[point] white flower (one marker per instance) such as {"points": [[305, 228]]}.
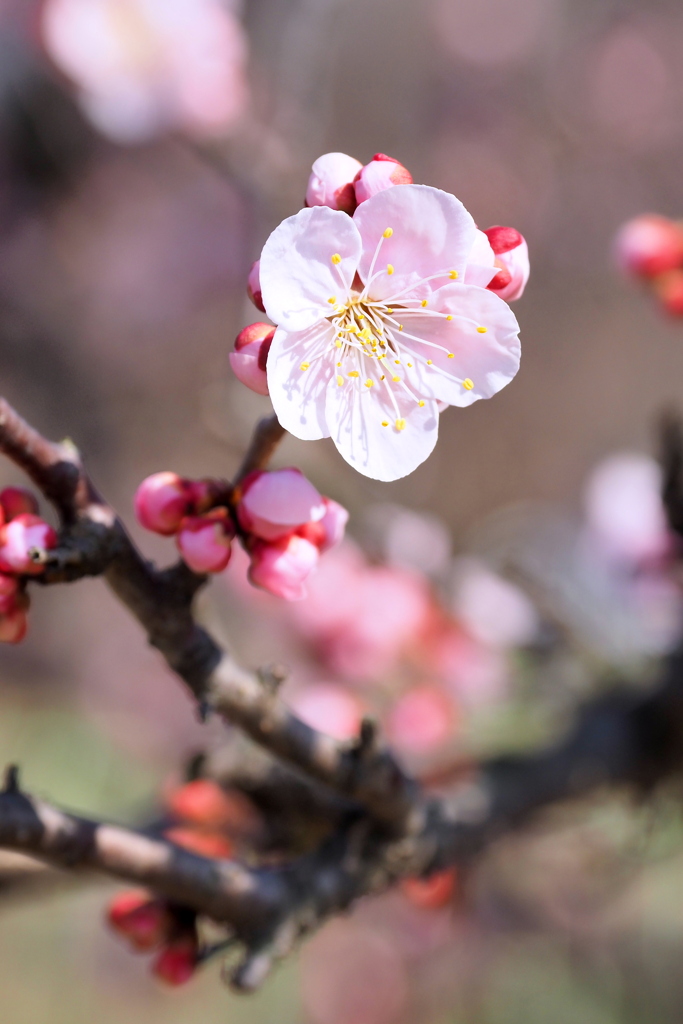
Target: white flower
{"points": [[376, 326]]}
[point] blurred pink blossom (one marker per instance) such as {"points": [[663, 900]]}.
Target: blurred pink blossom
{"points": [[330, 708], [142, 67], [421, 720], [495, 611]]}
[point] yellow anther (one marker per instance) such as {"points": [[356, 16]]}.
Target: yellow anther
{"points": [[304, 366], [332, 300], [453, 274], [354, 373], [382, 355], [338, 364], [385, 423], [340, 380], [395, 379], [390, 268], [421, 404], [400, 424], [482, 330], [423, 303], [468, 384], [382, 377], [336, 258], [410, 365], [389, 310], [449, 317], [397, 361], [388, 233], [400, 327], [451, 356], [352, 329], [429, 362], [369, 383]]}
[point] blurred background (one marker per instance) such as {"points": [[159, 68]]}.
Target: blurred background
{"points": [[147, 148]]}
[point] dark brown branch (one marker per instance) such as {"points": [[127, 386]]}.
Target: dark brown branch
{"points": [[266, 438]]}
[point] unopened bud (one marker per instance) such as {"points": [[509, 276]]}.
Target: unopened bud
{"points": [[206, 844], [162, 501], [512, 259], [204, 541], [145, 922], [19, 537], [381, 173], [438, 890], [9, 591], [649, 245], [275, 503], [669, 290], [331, 182], [254, 286], [177, 963], [17, 500], [283, 567], [248, 361]]}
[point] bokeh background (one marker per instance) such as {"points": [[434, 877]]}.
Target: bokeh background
{"points": [[126, 234]]}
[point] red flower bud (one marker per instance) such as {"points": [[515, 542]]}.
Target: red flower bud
{"points": [[17, 500], [207, 844], [162, 501], [433, 892], [381, 173], [649, 245], [204, 541], [19, 537], [9, 589], [145, 922], [248, 361], [669, 290], [283, 567], [176, 964]]}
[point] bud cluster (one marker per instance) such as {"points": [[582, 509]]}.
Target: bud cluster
{"points": [[151, 924], [650, 249], [284, 524], [22, 532], [343, 183]]}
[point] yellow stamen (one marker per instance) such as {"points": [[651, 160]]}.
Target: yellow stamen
{"points": [[369, 383], [390, 269], [400, 424], [354, 373], [382, 377], [453, 275], [449, 317], [304, 366], [468, 384], [340, 380], [388, 233], [395, 379], [482, 330], [451, 356], [397, 361], [423, 303], [385, 423], [389, 310], [338, 343], [410, 365], [338, 364], [332, 300], [421, 404], [400, 327], [429, 362], [336, 258]]}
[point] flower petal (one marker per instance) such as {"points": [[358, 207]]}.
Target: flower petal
{"points": [[481, 262], [355, 418], [298, 396], [432, 233], [298, 277], [487, 359]]}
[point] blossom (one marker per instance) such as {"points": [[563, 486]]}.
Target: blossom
{"points": [[19, 538], [649, 245], [376, 326], [145, 66]]}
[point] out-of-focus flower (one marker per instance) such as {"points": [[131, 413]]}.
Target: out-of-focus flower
{"points": [[649, 245], [495, 611], [203, 802], [438, 890], [15, 501], [18, 538], [205, 541], [254, 286], [142, 67], [330, 708], [381, 173], [13, 626], [248, 361], [142, 920], [409, 540], [282, 567], [205, 843], [421, 720], [375, 326], [9, 590], [274, 503], [668, 288], [331, 182]]}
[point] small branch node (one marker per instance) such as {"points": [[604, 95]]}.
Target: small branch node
{"points": [[273, 676], [11, 780]]}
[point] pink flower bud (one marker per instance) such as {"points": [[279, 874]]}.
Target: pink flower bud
{"points": [[331, 182], [176, 964], [17, 500], [512, 259], [275, 503], [333, 523], [382, 172], [9, 591], [649, 245], [145, 922], [254, 286], [19, 537], [248, 361], [204, 541], [283, 567], [13, 626], [161, 502], [669, 291]]}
